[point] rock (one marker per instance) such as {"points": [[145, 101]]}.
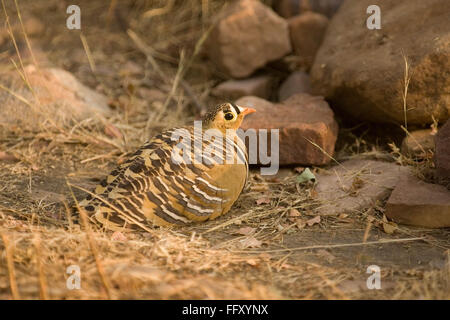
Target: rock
{"points": [[247, 36], [442, 155], [361, 71], [355, 185], [300, 118], [234, 89], [61, 98], [297, 82], [415, 202], [418, 144], [307, 31], [289, 8]]}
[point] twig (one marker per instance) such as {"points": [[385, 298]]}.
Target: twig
{"points": [[329, 246]]}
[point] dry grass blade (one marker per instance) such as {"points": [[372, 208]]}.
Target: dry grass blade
{"points": [[42, 281], [159, 11], [406, 80], [94, 249], [25, 35], [11, 270]]}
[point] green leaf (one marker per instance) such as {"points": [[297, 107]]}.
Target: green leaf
{"points": [[306, 176]]}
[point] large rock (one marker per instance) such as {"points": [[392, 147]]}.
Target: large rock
{"points": [[303, 120], [415, 202], [361, 71], [307, 31], [246, 37], [297, 82], [442, 155], [289, 8], [356, 185], [260, 86], [57, 95]]}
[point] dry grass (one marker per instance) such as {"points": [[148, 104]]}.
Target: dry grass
{"points": [[255, 252]]}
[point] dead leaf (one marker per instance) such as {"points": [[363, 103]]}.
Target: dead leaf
{"points": [[252, 262], [294, 213], [7, 157], [246, 231], [263, 200], [250, 242], [313, 221], [388, 226], [118, 236]]}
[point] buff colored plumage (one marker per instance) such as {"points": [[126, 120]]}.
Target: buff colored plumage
{"points": [[152, 188]]}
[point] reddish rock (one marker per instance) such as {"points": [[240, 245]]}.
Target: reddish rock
{"points": [[297, 82], [260, 86], [246, 37], [300, 118], [361, 71], [418, 144], [442, 155], [415, 202], [355, 185], [307, 31], [289, 8]]}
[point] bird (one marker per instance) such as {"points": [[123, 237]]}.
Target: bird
{"points": [[161, 184]]}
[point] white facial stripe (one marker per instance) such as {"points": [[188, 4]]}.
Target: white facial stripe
{"points": [[233, 110]]}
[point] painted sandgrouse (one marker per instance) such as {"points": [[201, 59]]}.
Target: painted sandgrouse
{"points": [[183, 175]]}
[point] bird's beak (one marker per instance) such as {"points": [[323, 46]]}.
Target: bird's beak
{"points": [[247, 111]]}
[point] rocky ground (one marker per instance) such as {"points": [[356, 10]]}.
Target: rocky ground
{"points": [[364, 146]]}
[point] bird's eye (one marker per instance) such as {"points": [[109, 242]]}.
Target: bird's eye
{"points": [[229, 116]]}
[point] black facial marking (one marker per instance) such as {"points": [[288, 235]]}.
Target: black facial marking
{"points": [[235, 107]]}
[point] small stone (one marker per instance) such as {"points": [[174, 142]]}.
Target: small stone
{"points": [[303, 120], [418, 144], [234, 89], [356, 185], [415, 202], [247, 36], [297, 82], [307, 31], [442, 155]]}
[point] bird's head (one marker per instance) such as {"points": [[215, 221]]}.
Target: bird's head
{"points": [[226, 116]]}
